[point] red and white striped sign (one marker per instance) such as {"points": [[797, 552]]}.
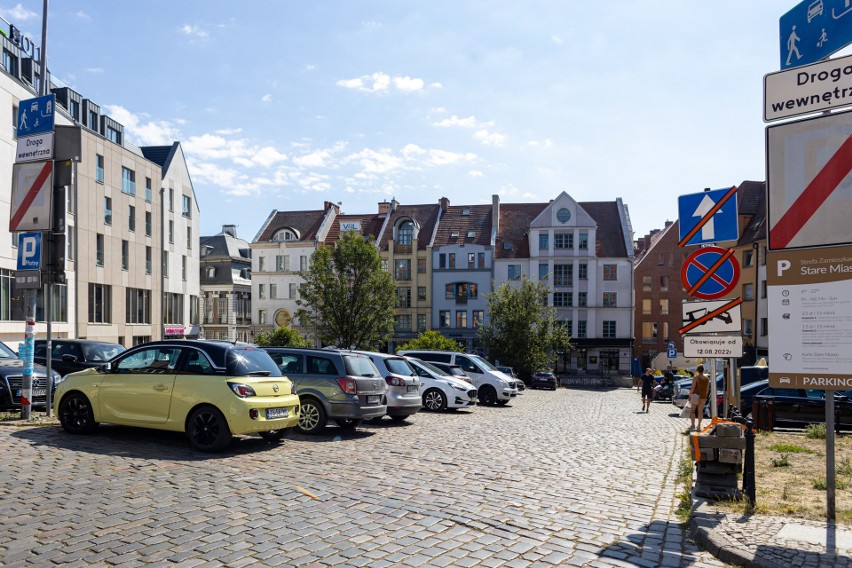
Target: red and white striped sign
{"points": [[32, 187]]}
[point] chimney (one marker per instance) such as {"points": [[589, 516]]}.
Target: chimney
{"points": [[669, 224], [394, 204], [229, 230], [384, 207], [444, 204], [495, 214]]}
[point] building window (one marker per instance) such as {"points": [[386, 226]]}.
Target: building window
{"points": [[403, 298], [583, 243], [211, 272], [747, 327], [610, 299], [131, 218], [183, 268], [748, 291], [461, 319], [69, 239], [664, 306], [171, 231], [764, 327], [581, 328], [610, 272], [138, 306], [649, 332], [480, 260], [664, 283], [405, 236], [542, 271], [294, 290], [514, 272], [444, 318], [261, 317], [646, 307], [583, 272], [609, 329], [402, 322], [186, 206], [261, 263], [148, 191], [99, 250], [100, 303], [748, 258], [273, 291], [563, 274], [222, 307], [165, 264], [282, 263], [563, 241], [661, 259], [452, 259], [421, 322], [763, 289], [543, 240], [303, 263], [128, 181], [261, 291], [147, 260], [581, 299], [171, 199], [148, 223], [646, 283], [478, 318], [421, 292], [442, 260], [125, 255], [107, 210], [189, 238], [99, 168], [402, 269], [562, 299], [471, 260], [172, 308]]}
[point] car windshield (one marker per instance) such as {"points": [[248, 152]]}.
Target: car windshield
{"points": [[249, 361], [101, 352], [6, 353], [399, 366], [483, 363], [432, 368], [360, 366]]}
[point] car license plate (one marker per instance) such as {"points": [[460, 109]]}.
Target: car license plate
{"points": [[413, 388], [277, 413], [373, 399], [36, 392]]}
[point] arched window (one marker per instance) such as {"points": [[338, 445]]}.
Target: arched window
{"points": [[405, 233], [284, 235]]}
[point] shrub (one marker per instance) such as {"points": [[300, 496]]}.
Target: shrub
{"points": [[781, 462], [815, 431]]}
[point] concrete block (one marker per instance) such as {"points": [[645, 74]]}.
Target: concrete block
{"points": [[717, 467], [717, 479], [729, 430], [718, 492], [729, 455], [706, 454], [706, 441]]}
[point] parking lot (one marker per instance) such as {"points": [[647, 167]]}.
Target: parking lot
{"points": [[571, 477]]}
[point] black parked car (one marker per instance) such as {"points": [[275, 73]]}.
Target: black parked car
{"points": [[543, 380], [11, 381], [72, 355], [800, 407]]}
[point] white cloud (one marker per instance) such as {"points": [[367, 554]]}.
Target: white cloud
{"points": [[469, 122], [408, 84], [546, 143], [475, 174], [382, 82], [490, 138], [18, 13], [81, 15], [228, 131], [94, 70], [375, 162], [557, 39], [436, 85], [194, 31], [151, 133], [266, 98]]}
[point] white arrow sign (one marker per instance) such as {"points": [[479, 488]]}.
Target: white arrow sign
{"points": [[708, 232]]}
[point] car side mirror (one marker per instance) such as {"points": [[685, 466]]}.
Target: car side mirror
{"points": [[105, 368], [69, 358]]}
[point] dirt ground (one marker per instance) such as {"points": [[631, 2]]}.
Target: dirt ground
{"points": [[790, 476]]}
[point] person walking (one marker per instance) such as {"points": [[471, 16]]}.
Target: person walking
{"points": [[700, 388], [646, 389]]}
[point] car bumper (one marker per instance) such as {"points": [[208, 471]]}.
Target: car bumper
{"points": [[405, 405], [240, 421]]}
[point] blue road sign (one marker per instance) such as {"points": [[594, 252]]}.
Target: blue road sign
{"points": [[35, 116], [717, 223], [29, 251], [813, 30], [671, 352]]}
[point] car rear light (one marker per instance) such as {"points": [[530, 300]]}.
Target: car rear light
{"points": [[395, 381], [253, 414], [348, 385], [719, 400], [241, 390]]}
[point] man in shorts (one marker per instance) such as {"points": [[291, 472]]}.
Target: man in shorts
{"points": [[700, 387], [646, 388]]}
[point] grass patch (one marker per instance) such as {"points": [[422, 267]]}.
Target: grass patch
{"points": [[815, 431], [781, 462], [684, 485], [790, 449], [820, 484]]}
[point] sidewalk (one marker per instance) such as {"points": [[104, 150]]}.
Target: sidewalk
{"points": [[769, 542]]}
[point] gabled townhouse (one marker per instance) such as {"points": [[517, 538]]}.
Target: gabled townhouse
{"points": [[584, 253], [226, 286], [280, 252], [461, 264]]}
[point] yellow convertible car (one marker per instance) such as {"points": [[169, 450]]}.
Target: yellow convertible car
{"points": [[211, 390]]}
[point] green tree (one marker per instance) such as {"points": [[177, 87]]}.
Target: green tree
{"points": [[281, 337], [432, 341], [347, 299], [522, 330]]}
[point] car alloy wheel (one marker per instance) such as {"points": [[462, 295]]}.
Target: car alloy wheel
{"points": [[311, 416], [434, 399], [75, 414], [487, 395], [208, 430]]}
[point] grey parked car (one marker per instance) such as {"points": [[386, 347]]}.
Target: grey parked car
{"points": [[332, 385], [403, 384]]}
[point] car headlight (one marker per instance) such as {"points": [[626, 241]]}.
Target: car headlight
{"points": [[459, 388], [58, 379]]}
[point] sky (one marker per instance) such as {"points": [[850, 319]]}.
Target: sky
{"points": [[286, 104]]}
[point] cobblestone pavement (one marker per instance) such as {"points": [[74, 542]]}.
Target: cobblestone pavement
{"points": [[564, 478]]}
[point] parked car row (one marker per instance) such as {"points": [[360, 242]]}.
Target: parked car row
{"points": [[213, 390]]}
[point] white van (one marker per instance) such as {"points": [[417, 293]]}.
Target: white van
{"points": [[493, 386]]}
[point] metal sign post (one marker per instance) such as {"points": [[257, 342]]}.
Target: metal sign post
{"points": [[29, 340]]}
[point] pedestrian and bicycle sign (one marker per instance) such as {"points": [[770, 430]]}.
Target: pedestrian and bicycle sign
{"points": [[810, 189], [708, 217], [710, 273], [813, 30], [35, 116]]}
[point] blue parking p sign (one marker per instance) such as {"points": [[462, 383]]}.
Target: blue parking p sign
{"points": [[29, 251]]}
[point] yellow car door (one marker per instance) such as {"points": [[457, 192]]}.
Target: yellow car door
{"points": [[138, 388]]}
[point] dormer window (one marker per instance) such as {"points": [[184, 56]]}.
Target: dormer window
{"points": [[471, 234], [284, 235], [465, 212], [405, 233], [454, 234], [211, 271]]}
